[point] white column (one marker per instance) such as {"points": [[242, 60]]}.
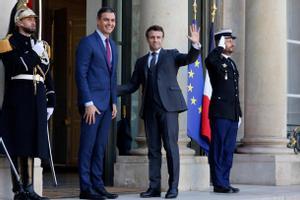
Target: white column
{"points": [[4, 16], [263, 151], [265, 77], [92, 7]]}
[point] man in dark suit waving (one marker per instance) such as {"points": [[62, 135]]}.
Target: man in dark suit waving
{"points": [[96, 62], [162, 100]]}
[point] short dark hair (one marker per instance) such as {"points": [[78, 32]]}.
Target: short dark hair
{"points": [[154, 28], [104, 10]]}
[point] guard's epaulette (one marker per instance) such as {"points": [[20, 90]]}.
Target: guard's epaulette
{"points": [[5, 45]]}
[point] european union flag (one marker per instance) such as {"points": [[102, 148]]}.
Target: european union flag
{"points": [[194, 101]]}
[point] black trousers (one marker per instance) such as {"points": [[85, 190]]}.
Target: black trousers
{"points": [[162, 127], [221, 150]]}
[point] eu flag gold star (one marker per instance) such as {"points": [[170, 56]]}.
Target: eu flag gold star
{"points": [[191, 74], [190, 88], [197, 63], [193, 101], [200, 109]]}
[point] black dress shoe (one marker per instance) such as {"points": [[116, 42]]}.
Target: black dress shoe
{"points": [[234, 190], [104, 193], [32, 195], [150, 193], [219, 189], [21, 196], [171, 193], [90, 194]]}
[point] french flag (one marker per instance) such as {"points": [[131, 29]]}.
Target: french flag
{"points": [[205, 124]]}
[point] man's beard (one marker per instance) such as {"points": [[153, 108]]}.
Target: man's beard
{"points": [[29, 30], [228, 51]]}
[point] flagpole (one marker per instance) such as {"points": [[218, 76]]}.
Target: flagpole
{"points": [[213, 12], [40, 20], [195, 10], [48, 135]]}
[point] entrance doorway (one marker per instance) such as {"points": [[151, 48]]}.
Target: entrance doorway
{"points": [[64, 25]]}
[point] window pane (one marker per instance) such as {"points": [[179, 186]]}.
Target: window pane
{"points": [[293, 111], [293, 15], [294, 68]]}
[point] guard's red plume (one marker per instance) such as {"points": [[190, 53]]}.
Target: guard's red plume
{"points": [[29, 4]]}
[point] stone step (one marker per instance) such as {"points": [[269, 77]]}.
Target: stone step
{"points": [[248, 192]]}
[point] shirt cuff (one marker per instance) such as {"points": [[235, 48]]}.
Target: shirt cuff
{"points": [[196, 45], [90, 103]]}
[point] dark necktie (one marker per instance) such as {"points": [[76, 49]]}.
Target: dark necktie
{"points": [[108, 52], [153, 59]]}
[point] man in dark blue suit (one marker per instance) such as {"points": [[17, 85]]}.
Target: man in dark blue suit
{"points": [[224, 110], [162, 100], [96, 63]]}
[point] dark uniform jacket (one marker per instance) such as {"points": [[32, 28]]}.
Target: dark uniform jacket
{"points": [[24, 110], [224, 78], [169, 91]]}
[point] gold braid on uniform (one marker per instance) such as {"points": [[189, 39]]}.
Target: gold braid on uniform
{"points": [[48, 50], [41, 71]]}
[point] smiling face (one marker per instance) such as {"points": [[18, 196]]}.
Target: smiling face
{"points": [[155, 39], [106, 23]]}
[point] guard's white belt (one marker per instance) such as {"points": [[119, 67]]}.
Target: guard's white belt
{"points": [[28, 77]]}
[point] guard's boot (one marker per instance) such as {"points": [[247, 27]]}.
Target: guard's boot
{"points": [[29, 181], [19, 193], [33, 195]]}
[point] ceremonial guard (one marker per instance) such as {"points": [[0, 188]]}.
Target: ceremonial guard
{"points": [[29, 98], [224, 110]]}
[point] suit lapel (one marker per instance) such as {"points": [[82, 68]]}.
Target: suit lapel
{"points": [[160, 57], [114, 54], [145, 61]]}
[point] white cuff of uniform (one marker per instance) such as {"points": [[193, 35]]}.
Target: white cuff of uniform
{"points": [[196, 45], [49, 112], [90, 103]]}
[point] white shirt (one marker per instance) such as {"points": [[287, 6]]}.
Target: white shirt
{"points": [[150, 56], [103, 38]]}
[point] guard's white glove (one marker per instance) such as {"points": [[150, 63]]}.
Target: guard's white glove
{"points": [[222, 42], [240, 121], [49, 112], [39, 48]]}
